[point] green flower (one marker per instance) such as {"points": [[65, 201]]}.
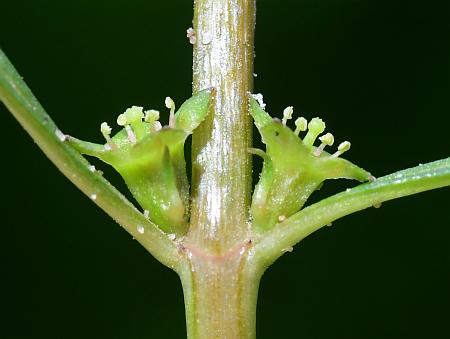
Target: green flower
{"points": [[293, 168], [150, 158]]}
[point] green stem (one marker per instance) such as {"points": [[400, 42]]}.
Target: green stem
{"points": [[18, 98], [220, 288], [406, 182], [221, 181], [220, 294]]}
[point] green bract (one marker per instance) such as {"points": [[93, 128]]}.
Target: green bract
{"points": [[293, 168], [150, 158]]}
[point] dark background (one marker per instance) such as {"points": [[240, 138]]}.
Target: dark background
{"points": [[378, 72]]}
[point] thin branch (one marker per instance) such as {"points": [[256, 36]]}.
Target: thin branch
{"points": [[17, 97], [406, 182]]}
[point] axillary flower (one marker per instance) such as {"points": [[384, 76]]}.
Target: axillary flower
{"points": [[150, 158], [293, 168]]}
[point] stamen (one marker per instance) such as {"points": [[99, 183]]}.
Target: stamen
{"points": [[287, 114], [315, 127], [106, 131], [170, 104], [152, 117], [343, 147], [327, 140], [130, 134], [134, 116], [122, 120], [301, 124]]}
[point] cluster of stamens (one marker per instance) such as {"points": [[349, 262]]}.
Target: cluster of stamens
{"points": [[314, 128], [134, 119]]}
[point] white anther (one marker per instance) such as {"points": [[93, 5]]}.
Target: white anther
{"points": [[327, 140], [134, 114], [151, 115], [287, 114], [170, 104], [343, 147], [122, 120], [315, 127], [106, 131], [301, 124]]}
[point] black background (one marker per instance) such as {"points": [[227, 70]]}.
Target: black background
{"points": [[378, 72]]}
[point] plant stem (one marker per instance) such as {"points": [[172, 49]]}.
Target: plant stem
{"points": [[220, 288], [221, 294], [221, 182]]}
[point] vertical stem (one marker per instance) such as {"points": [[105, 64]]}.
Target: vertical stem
{"points": [[220, 294], [219, 285], [221, 183]]}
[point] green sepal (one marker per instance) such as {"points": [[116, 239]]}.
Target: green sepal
{"points": [[291, 171]]}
